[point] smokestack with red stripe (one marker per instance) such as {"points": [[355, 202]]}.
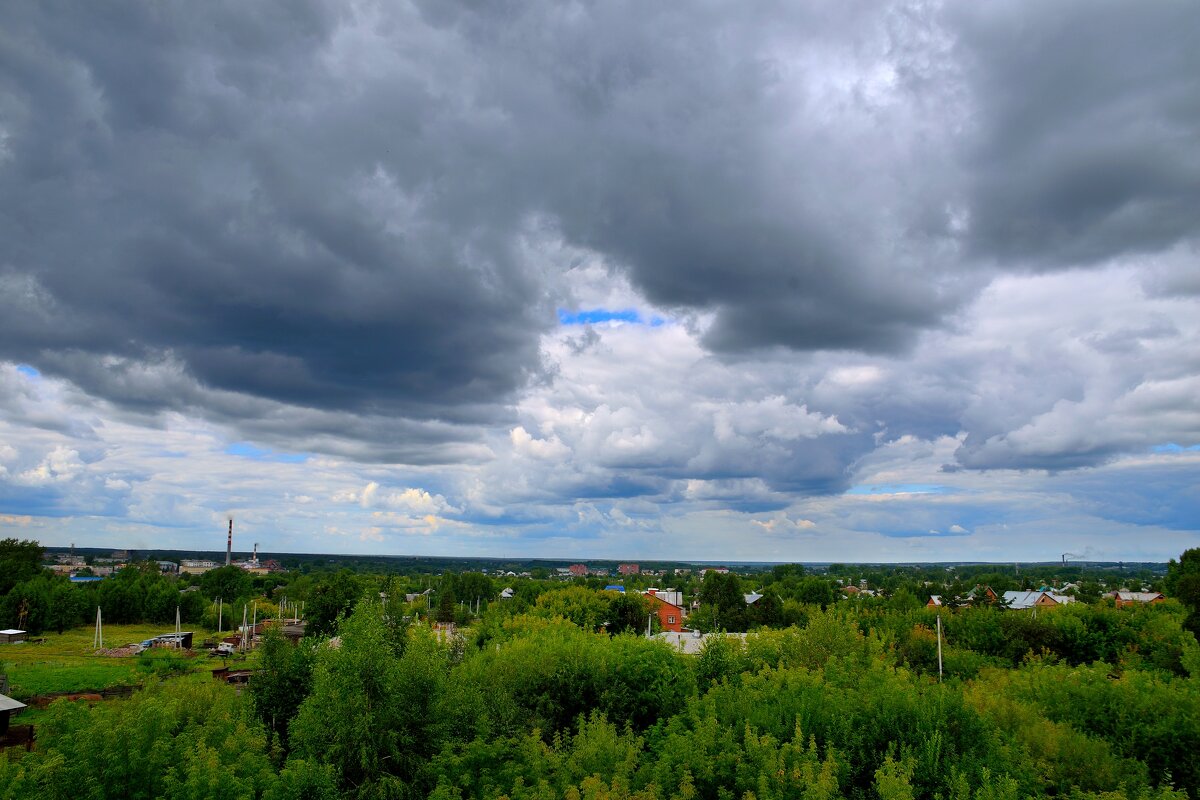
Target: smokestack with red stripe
{"points": [[229, 546]]}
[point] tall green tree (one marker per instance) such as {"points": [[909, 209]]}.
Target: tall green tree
{"points": [[370, 715], [228, 583], [20, 560], [627, 611], [282, 681], [329, 598], [1183, 583], [587, 608], [724, 606]]}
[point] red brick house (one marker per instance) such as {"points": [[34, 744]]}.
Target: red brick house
{"points": [[670, 616]]}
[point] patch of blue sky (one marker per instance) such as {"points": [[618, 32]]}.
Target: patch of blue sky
{"points": [[248, 450], [593, 316], [910, 534], [1171, 447], [897, 488], [28, 371], [33, 501]]}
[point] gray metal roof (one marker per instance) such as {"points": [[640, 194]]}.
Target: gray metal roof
{"points": [[8, 704]]}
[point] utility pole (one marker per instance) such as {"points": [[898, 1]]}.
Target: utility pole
{"points": [[98, 638], [220, 613]]}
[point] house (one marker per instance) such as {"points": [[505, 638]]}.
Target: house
{"points": [[506, 593], [1123, 598], [196, 566], [578, 570], [718, 570], [935, 601], [11, 636], [615, 587], [752, 598], [980, 594], [182, 639], [1038, 599], [294, 631], [8, 707], [670, 615], [628, 569], [670, 595]]}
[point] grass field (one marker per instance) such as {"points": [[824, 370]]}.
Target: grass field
{"points": [[67, 663]]}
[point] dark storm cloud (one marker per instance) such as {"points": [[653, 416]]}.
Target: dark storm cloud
{"points": [[331, 206], [1088, 130], [194, 184]]}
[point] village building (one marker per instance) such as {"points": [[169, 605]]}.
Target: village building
{"points": [[667, 605], [8, 707], [196, 566], [980, 594], [1038, 599], [1124, 598]]}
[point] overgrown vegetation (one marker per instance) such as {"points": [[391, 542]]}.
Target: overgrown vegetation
{"points": [[836, 708]]}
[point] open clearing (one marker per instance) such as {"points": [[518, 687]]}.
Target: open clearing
{"points": [[67, 662]]}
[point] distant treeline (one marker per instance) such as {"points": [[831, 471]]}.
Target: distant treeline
{"points": [[35, 600]]}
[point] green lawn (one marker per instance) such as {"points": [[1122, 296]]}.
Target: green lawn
{"points": [[67, 663]]}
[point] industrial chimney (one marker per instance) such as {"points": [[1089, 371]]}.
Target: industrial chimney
{"points": [[229, 546]]}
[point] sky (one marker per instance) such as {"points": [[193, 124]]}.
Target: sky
{"points": [[779, 281]]}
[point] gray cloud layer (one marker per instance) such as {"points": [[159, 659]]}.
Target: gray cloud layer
{"points": [[328, 223]]}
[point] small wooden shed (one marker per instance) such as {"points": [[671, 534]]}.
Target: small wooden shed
{"points": [[11, 636]]}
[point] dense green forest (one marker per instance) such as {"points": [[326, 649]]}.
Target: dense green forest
{"points": [[536, 699]]}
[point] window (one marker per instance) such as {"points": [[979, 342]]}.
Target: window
{"points": [[670, 620]]}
